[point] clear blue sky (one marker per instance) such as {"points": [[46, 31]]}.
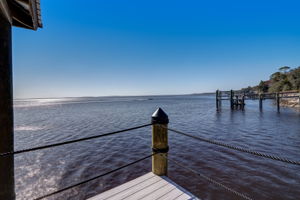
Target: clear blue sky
{"points": [[110, 47]]}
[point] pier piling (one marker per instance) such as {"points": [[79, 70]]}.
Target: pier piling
{"points": [[278, 102], [243, 102], [231, 100], [260, 101], [160, 146], [217, 100]]}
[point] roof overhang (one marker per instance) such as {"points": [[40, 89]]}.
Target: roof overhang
{"points": [[22, 13]]}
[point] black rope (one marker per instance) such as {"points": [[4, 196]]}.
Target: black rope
{"points": [[93, 178], [236, 148], [209, 179], [72, 141]]}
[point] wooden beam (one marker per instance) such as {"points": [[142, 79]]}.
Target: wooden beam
{"points": [[5, 10], [7, 190], [21, 17]]}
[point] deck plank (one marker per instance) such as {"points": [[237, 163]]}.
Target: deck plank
{"points": [[161, 192], [123, 187], [147, 190], [147, 187], [173, 194]]}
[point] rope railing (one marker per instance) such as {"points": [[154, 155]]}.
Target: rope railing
{"points": [[209, 179], [72, 141], [277, 158], [159, 132], [93, 178]]}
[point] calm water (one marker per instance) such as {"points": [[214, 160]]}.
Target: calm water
{"points": [[44, 121]]}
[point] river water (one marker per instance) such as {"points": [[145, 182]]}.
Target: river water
{"points": [[45, 121]]}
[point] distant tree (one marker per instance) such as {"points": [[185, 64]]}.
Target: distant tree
{"points": [[276, 76], [276, 87], [263, 86], [248, 90], [287, 86], [294, 78], [284, 80], [284, 69]]}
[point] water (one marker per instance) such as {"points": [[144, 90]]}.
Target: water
{"points": [[44, 121]]}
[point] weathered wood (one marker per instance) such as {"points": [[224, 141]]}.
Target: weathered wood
{"points": [[146, 187], [4, 9], [231, 100], [160, 142], [237, 99], [289, 92], [243, 102], [24, 14], [260, 101], [278, 102], [217, 100], [6, 112]]}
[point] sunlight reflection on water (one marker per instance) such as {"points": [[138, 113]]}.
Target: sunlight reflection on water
{"points": [[45, 121]]}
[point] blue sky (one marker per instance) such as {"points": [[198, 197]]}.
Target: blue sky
{"points": [[101, 48]]}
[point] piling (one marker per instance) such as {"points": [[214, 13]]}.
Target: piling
{"points": [[278, 102], [236, 102], [243, 102], [260, 101], [7, 190], [160, 146], [217, 100], [231, 100]]}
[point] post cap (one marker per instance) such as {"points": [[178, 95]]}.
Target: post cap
{"points": [[159, 117]]}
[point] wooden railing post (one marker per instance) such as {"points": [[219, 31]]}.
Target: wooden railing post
{"points": [[7, 191], [160, 146]]}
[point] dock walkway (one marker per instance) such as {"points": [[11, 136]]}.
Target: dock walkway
{"points": [[147, 187]]}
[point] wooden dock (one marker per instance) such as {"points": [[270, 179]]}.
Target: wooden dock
{"points": [[147, 187], [237, 98]]}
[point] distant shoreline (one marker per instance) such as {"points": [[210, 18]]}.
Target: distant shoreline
{"points": [[36, 98]]}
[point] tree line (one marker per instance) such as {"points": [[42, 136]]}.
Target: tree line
{"points": [[284, 79]]}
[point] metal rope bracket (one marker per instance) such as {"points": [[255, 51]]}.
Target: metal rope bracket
{"points": [[164, 150]]}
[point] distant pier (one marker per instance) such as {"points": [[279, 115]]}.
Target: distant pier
{"points": [[237, 98]]}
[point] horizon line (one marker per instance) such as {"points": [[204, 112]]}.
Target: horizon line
{"points": [[115, 96]]}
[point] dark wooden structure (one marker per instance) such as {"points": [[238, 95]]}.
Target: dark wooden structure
{"points": [[237, 98], [25, 14]]}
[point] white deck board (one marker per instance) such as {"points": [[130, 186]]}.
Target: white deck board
{"points": [[147, 187]]}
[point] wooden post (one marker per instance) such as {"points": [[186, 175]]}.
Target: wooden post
{"points": [[231, 99], [243, 102], [278, 102], [260, 101], [7, 189], [237, 103], [160, 146], [217, 100], [299, 100]]}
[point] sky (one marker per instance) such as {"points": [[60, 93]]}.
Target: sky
{"points": [[134, 47]]}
